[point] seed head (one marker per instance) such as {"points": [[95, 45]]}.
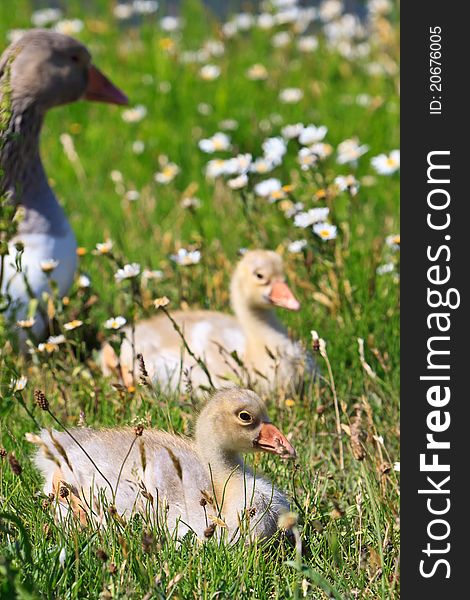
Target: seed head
{"points": [[14, 464], [209, 531], [63, 491], [138, 430], [41, 400]]}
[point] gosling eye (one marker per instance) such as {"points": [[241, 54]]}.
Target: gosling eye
{"points": [[259, 276], [245, 416]]}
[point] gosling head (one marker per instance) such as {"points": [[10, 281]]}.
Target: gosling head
{"points": [[49, 69], [237, 422], [259, 282]]}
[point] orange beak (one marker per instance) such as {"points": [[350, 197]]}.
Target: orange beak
{"points": [[282, 296], [100, 89], [270, 439]]}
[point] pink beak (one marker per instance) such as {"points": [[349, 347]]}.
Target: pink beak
{"points": [[282, 296], [100, 89], [270, 439]]}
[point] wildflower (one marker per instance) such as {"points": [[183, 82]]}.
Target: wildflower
{"points": [[74, 324], [138, 147], [265, 21], [115, 323], [209, 72], [190, 203], [145, 7], [290, 132], [83, 281], [385, 268], [396, 466], [18, 385], [314, 215], [348, 182], [393, 241], [149, 274], [215, 168], [116, 176], [204, 109], [267, 187], [81, 251], [26, 323], [218, 142], [132, 195], [69, 26], [297, 246], [186, 257], [379, 7], [135, 114], [46, 16], [161, 302], [350, 150], [241, 163], [262, 165], [244, 21], [274, 149], [48, 265], [123, 11], [321, 150], [325, 231], [170, 23], [281, 39], [104, 247], [307, 43], [306, 158], [167, 174], [387, 165], [257, 72], [291, 95], [214, 47], [311, 134], [330, 10], [129, 271], [238, 182], [228, 124], [51, 344]]}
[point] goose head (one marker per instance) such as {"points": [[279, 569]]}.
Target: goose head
{"points": [[259, 282], [48, 69], [235, 422]]}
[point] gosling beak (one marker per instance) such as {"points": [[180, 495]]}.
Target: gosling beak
{"points": [[100, 89], [282, 296], [270, 439]]}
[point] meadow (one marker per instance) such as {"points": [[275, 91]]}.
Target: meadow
{"points": [[138, 186]]}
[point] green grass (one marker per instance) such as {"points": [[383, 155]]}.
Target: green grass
{"points": [[348, 518]]}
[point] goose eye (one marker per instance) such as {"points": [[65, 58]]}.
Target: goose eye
{"points": [[74, 58], [259, 275], [245, 416]]}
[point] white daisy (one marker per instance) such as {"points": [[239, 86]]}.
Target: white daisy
{"points": [[267, 187], [128, 271], [186, 257], [291, 95], [312, 134], [325, 231], [115, 323], [349, 151], [386, 165], [218, 142], [314, 215], [297, 246]]}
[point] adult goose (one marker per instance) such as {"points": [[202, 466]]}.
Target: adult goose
{"points": [[270, 358], [200, 485], [42, 70]]}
